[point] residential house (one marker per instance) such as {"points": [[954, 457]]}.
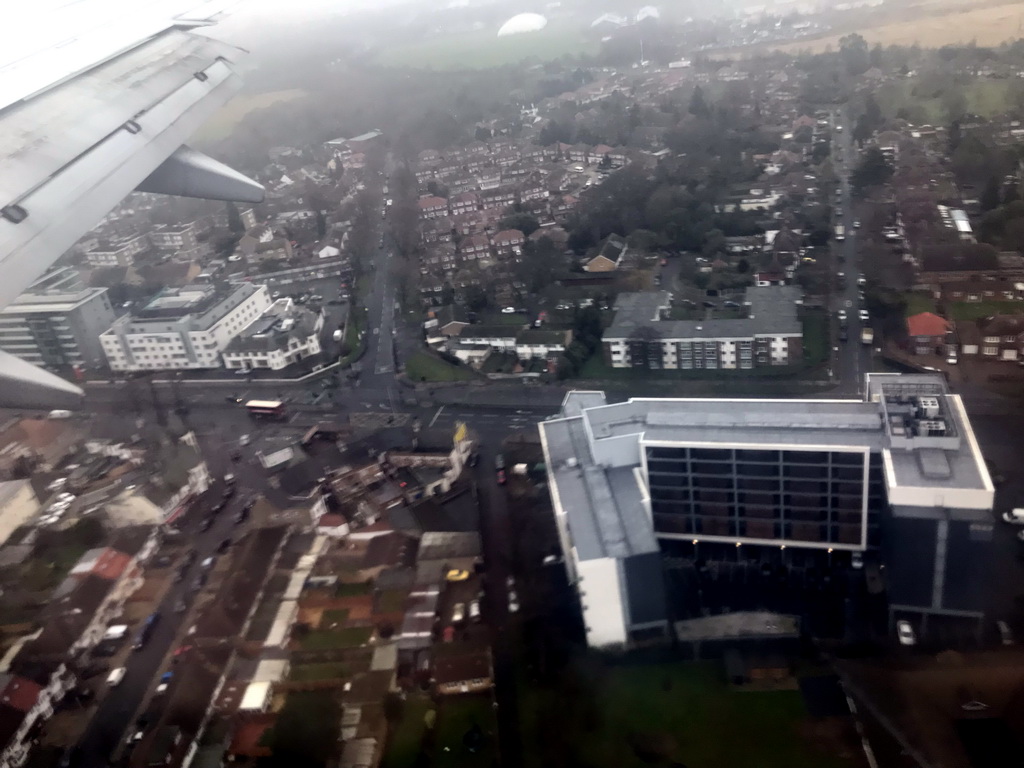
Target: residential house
{"points": [[542, 343], [432, 207], [975, 291], [609, 256], [1000, 337], [457, 671], [926, 332], [475, 339], [497, 199], [475, 247], [447, 321], [464, 203], [562, 206], [508, 242]]}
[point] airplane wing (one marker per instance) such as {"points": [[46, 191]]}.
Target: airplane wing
{"points": [[97, 99]]}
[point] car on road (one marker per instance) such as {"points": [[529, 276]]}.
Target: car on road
{"points": [[856, 223], [180, 606], [224, 546], [474, 459], [458, 613], [244, 440], [841, 314], [844, 335], [456, 574], [863, 315], [1005, 634], [905, 633], [230, 491], [116, 676], [513, 602], [508, 310], [233, 399], [206, 524], [165, 682], [474, 610], [501, 477], [136, 737], [862, 281], [1014, 516]]}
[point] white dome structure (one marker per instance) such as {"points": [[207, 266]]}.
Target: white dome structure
{"points": [[524, 22]]}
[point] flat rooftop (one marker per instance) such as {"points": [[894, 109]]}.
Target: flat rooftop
{"points": [[594, 449]]}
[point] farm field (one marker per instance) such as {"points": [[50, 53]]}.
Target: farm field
{"points": [[223, 123], [933, 27], [481, 49]]}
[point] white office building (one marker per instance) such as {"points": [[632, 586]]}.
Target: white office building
{"points": [[898, 474], [183, 328], [57, 329], [286, 333]]}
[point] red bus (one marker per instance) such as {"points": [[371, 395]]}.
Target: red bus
{"points": [[265, 409]]}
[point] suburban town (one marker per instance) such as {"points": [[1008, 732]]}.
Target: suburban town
{"points": [[608, 404]]}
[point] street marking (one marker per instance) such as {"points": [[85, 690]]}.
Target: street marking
{"points": [[435, 417]]}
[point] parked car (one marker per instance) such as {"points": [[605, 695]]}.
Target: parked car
{"points": [[501, 477], [458, 613], [513, 602], [508, 310], [474, 610], [905, 633], [1014, 516], [116, 676], [206, 524]]}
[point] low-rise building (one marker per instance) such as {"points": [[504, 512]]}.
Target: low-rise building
{"points": [[183, 328], [542, 343], [771, 334], [926, 331], [173, 237], [284, 334]]}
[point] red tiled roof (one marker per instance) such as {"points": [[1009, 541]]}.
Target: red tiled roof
{"points": [[111, 564], [331, 520], [926, 324], [20, 694], [431, 202], [247, 737]]}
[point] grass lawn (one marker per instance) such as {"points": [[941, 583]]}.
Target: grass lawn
{"points": [[483, 48], [391, 601], [816, 339], [423, 366], [306, 731], [974, 310], [405, 736], [353, 589], [329, 670], [456, 716], [329, 639], [334, 616], [918, 302], [685, 712]]}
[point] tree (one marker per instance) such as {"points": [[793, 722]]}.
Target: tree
{"points": [[525, 222], [714, 242], [853, 50], [235, 219], [537, 266], [990, 194], [483, 133], [698, 105], [874, 170]]}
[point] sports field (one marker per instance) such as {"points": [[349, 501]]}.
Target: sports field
{"points": [[483, 48], [223, 123]]}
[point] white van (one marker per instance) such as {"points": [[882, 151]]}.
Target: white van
{"points": [[59, 414], [116, 676]]}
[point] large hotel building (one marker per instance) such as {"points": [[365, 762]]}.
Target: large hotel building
{"points": [[899, 473]]}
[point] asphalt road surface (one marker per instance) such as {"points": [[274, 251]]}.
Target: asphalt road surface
{"points": [[110, 726]]}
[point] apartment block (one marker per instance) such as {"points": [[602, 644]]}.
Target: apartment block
{"points": [[899, 474], [183, 328], [769, 333], [57, 329]]}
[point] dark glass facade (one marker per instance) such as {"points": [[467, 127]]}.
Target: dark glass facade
{"points": [[790, 495]]}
